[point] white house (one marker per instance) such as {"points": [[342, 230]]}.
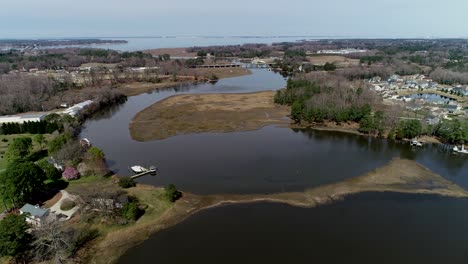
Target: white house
{"points": [[35, 215]]}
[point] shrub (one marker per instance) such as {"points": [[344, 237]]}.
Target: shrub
{"points": [[172, 194], [96, 153], [67, 205], [82, 237], [131, 212], [70, 173], [126, 182]]}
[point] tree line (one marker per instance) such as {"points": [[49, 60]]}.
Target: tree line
{"points": [[30, 127]]}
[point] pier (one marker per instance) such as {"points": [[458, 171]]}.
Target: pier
{"points": [[142, 171], [152, 172], [219, 66]]}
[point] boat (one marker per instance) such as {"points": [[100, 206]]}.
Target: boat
{"points": [[153, 170], [460, 150], [138, 169], [85, 142], [416, 143]]}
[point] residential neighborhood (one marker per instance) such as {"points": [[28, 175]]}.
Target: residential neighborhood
{"points": [[420, 93]]}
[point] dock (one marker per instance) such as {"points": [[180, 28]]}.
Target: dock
{"points": [[142, 171], [152, 172]]}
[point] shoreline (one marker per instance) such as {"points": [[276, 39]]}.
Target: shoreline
{"points": [[399, 176], [137, 88]]}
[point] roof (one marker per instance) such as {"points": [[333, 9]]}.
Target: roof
{"points": [[451, 106], [35, 211], [24, 116]]}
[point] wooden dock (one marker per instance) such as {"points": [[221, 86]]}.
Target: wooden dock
{"points": [[152, 172]]}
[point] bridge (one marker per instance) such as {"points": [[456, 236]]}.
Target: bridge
{"points": [[219, 66], [235, 65], [258, 65]]}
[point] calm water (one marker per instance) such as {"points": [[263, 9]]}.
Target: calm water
{"points": [[271, 159], [432, 98], [144, 43], [366, 228]]}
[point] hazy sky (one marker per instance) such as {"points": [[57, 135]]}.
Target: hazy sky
{"points": [[360, 18]]}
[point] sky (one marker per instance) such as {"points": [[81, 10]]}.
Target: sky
{"points": [[340, 18]]}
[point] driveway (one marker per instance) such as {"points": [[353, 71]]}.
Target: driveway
{"points": [[56, 207]]}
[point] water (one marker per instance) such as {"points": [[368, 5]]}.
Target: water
{"points": [[432, 98], [143, 43], [365, 228], [272, 159]]}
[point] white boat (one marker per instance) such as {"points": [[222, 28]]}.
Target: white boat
{"points": [[138, 169], [85, 142], [416, 143], [460, 150]]}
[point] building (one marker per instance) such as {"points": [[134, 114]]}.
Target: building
{"points": [[35, 215], [452, 108], [461, 90], [22, 118], [74, 110], [341, 51]]}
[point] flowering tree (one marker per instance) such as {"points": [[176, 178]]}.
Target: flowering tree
{"points": [[70, 173]]}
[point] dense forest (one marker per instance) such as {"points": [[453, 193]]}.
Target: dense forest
{"points": [[317, 97]]}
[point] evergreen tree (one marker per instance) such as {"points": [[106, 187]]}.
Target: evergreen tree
{"points": [[14, 240]]}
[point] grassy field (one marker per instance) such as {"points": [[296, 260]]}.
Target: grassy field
{"points": [[6, 139], [115, 239], [187, 114], [337, 60]]}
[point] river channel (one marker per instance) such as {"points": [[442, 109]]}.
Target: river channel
{"points": [[272, 159], [364, 228]]}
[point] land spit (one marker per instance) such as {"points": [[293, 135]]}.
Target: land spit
{"points": [[136, 88], [197, 113], [403, 176]]}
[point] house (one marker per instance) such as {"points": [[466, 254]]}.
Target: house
{"points": [[461, 90], [59, 166], [395, 78], [35, 215], [376, 79], [452, 108], [433, 120]]}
